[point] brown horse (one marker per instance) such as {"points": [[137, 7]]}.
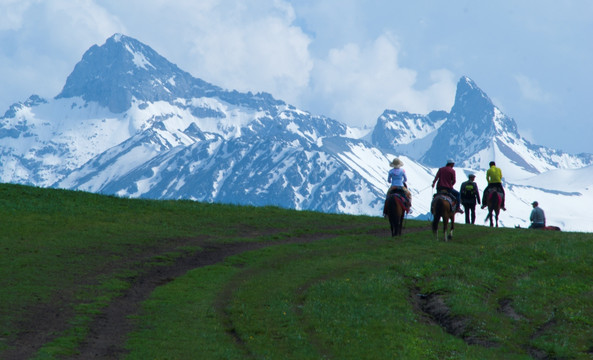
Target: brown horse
{"points": [[494, 202], [395, 213], [441, 208]]}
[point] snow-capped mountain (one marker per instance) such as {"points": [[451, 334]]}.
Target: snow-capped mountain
{"points": [[129, 122], [113, 93], [405, 133], [285, 161], [474, 133]]}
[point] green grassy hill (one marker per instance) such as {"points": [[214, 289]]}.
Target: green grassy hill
{"points": [[139, 279]]}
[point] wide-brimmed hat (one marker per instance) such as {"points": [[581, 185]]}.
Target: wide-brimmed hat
{"points": [[534, 203], [396, 163], [450, 161]]}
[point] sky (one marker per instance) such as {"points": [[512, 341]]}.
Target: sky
{"points": [[346, 59]]}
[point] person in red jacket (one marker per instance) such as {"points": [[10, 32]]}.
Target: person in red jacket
{"points": [[445, 179]]}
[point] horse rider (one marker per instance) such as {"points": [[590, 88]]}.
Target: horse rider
{"points": [[398, 179], [537, 217], [494, 177], [469, 196], [445, 177]]}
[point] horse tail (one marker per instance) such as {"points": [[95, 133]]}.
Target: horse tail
{"points": [[393, 214], [391, 208], [438, 213], [494, 200]]}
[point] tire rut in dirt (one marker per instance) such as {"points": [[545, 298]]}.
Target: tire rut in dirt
{"points": [[438, 313], [109, 331]]}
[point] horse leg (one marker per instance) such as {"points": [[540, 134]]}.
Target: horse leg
{"points": [[400, 215], [435, 229], [452, 227], [392, 222], [497, 219], [445, 223], [391, 207], [395, 226], [497, 202], [396, 220], [435, 225]]}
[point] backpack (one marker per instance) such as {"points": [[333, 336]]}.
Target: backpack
{"points": [[468, 190]]}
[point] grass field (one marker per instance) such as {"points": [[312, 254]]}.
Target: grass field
{"points": [[268, 283]]}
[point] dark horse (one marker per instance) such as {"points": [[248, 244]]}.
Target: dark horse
{"points": [[395, 213], [494, 202], [441, 208]]}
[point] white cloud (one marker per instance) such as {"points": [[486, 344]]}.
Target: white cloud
{"points": [[531, 90], [264, 53], [528, 134], [11, 16], [356, 84], [42, 41]]}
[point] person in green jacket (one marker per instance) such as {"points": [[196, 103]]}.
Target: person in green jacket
{"points": [[494, 177], [469, 196]]}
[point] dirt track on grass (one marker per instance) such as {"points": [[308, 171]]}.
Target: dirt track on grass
{"points": [[109, 330]]}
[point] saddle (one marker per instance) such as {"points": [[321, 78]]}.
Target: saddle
{"points": [[491, 191], [401, 197], [445, 195], [403, 201]]}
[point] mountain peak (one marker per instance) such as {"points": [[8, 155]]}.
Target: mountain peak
{"points": [[124, 68], [473, 107], [117, 37], [473, 123], [469, 93], [141, 54]]}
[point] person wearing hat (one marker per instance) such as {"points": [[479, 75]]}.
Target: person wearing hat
{"points": [[538, 218], [445, 179], [470, 195], [397, 178], [494, 177]]}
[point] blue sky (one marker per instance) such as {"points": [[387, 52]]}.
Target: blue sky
{"points": [[347, 59]]}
